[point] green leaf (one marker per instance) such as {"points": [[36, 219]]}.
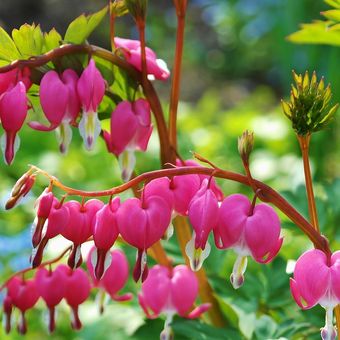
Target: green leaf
{"points": [[333, 3], [52, 40], [80, 28], [265, 327], [319, 32], [332, 14], [8, 50], [28, 39]]}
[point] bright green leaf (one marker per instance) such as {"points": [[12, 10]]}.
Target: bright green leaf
{"points": [[333, 14], [28, 39], [316, 33], [52, 40], [8, 50], [80, 28], [333, 3]]}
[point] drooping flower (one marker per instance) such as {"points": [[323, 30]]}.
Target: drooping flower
{"points": [[250, 230], [317, 281], [170, 291], [77, 290], [91, 90], [80, 226], [60, 103], [105, 233], [57, 219], [22, 294], [13, 112], [177, 192], [51, 287], [141, 224], [114, 278], [156, 68], [213, 185], [44, 205], [131, 129], [9, 79], [203, 216]]}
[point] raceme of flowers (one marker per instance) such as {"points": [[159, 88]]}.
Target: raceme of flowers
{"points": [[71, 100], [140, 222]]}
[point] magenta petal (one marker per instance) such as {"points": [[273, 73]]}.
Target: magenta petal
{"points": [[40, 127], [198, 311], [262, 231], [312, 276], [335, 273], [303, 304], [184, 289]]}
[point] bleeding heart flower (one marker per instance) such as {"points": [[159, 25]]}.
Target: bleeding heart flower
{"points": [[317, 281], [57, 218], [51, 287], [77, 290], [13, 112], [91, 90], [131, 129], [142, 223], [23, 294], [105, 233], [213, 185], [203, 216], [114, 278], [156, 68], [80, 227], [60, 103], [170, 291], [250, 230]]}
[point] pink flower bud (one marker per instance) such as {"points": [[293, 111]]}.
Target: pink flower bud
{"points": [[317, 281], [203, 216], [51, 287], [170, 291], [77, 290], [80, 226], [105, 233], [44, 205], [130, 130], [24, 296], [142, 223], [213, 185], [21, 188], [91, 90], [156, 68], [57, 219], [13, 112], [248, 230]]}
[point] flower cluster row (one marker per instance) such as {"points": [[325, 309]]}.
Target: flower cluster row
{"points": [[64, 96], [167, 290]]}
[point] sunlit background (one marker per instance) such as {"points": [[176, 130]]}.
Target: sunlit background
{"points": [[237, 66]]}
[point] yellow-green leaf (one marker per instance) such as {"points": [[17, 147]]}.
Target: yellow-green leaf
{"points": [[332, 14], [28, 39], [80, 28], [52, 40], [8, 50]]}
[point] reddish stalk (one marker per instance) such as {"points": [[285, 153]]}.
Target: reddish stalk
{"points": [[148, 88], [181, 7], [304, 142], [43, 264], [266, 194]]}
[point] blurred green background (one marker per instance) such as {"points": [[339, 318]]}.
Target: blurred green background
{"points": [[237, 65]]}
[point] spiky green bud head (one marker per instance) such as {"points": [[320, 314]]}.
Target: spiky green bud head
{"points": [[245, 145], [309, 108]]}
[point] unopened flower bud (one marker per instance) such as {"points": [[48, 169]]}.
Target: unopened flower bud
{"points": [[309, 107], [21, 188], [137, 9], [245, 145]]}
